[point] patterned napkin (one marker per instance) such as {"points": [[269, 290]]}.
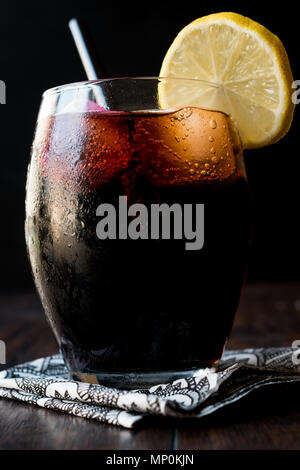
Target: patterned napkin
{"points": [[46, 382]]}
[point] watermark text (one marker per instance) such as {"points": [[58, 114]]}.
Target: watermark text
{"points": [[161, 221], [2, 92], [2, 352]]}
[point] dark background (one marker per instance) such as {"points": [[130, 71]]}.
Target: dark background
{"points": [[37, 52]]}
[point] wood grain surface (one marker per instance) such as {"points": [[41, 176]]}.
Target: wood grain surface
{"points": [[269, 315]]}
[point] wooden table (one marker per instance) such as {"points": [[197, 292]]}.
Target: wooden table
{"points": [[269, 315]]}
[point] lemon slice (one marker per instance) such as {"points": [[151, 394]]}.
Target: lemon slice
{"points": [[245, 71]]}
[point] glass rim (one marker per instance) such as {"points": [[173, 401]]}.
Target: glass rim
{"points": [[86, 83]]}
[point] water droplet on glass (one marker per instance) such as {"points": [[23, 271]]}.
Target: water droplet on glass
{"points": [[212, 124]]}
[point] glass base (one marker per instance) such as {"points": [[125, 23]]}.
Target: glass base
{"points": [[135, 380]]}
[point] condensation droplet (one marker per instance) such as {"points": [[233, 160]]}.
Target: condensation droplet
{"points": [[212, 150], [212, 124], [192, 171], [215, 160], [207, 166], [210, 138], [203, 172], [196, 165]]}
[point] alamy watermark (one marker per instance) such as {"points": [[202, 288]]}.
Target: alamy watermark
{"points": [[296, 353], [180, 222], [2, 92], [2, 352], [296, 94]]}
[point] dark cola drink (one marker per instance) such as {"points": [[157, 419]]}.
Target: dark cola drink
{"points": [[124, 308]]}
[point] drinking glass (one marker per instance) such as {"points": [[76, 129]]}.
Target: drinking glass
{"points": [[132, 304]]}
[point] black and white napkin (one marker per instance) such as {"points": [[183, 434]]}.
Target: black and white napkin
{"points": [[46, 382]]}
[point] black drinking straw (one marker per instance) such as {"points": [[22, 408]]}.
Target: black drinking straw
{"points": [[86, 49]]}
